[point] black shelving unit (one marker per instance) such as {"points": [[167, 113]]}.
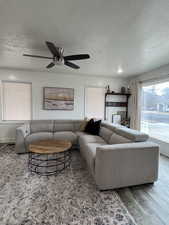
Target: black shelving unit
{"points": [[116, 104]]}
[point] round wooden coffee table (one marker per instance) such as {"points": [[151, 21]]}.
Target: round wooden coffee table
{"points": [[49, 157]]}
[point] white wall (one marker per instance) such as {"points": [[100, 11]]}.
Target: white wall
{"points": [[160, 73], [42, 79]]}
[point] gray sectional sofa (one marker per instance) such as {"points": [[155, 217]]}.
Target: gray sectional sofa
{"points": [[118, 157]]}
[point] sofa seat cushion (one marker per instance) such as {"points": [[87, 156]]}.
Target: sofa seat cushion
{"points": [[117, 139], [89, 138], [90, 155], [39, 136], [66, 135]]}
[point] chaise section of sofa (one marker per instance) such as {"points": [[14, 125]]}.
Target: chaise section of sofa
{"points": [[120, 157], [122, 165]]}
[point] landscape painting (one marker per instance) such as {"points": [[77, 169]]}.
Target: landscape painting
{"points": [[55, 98]]}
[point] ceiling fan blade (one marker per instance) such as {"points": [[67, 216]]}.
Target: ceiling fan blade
{"points": [[72, 65], [38, 56], [50, 65], [77, 57], [53, 49]]}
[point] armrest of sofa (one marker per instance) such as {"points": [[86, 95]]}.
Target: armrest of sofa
{"points": [[21, 133], [23, 130], [127, 164]]}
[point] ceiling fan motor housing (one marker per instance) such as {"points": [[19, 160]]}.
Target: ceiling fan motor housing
{"points": [[59, 60]]}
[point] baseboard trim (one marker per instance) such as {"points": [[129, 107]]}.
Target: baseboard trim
{"points": [[7, 140]]}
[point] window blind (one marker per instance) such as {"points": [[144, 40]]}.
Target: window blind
{"points": [[94, 102], [16, 101]]}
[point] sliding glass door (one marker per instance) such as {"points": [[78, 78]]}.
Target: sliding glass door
{"points": [[155, 110]]}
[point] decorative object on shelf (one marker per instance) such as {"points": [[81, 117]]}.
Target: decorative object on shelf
{"points": [[112, 92], [128, 90], [55, 98], [116, 119], [123, 90], [122, 114], [126, 122], [107, 89]]}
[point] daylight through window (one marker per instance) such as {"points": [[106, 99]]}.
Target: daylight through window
{"points": [[155, 110]]}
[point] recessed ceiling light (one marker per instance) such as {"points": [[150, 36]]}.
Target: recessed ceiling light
{"points": [[120, 70], [12, 77]]}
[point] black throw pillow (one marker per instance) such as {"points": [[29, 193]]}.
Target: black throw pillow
{"points": [[89, 126], [93, 127], [96, 127]]}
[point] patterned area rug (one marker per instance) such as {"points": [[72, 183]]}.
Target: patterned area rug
{"points": [[70, 198]]}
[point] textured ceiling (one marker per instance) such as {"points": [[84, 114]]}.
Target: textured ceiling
{"points": [[128, 34]]}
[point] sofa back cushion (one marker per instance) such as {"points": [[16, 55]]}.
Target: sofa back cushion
{"points": [[117, 139], [78, 125], [63, 125], [105, 133], [133, 135], [109, 125], [41, 126], [83, 124]]}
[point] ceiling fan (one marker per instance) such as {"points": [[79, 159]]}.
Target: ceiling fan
{"points": [[58, 58]]}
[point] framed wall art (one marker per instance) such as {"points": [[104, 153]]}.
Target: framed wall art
{"points": [[56, 98]]}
